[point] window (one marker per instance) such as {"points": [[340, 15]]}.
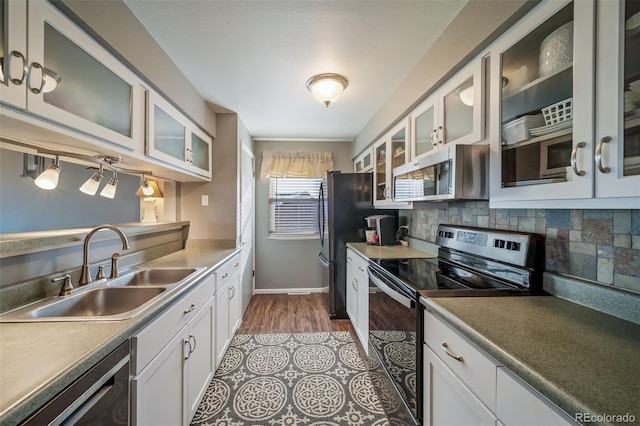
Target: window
{"points": [[293, 207]]}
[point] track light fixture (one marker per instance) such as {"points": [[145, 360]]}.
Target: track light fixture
{"points": [[145, 187], [109, 190], [49, 178], [90, 187]]}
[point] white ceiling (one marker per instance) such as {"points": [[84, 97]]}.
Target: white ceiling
{"points": [[254, 57]]}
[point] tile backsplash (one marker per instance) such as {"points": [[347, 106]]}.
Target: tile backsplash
{"points": [[597, 245]]}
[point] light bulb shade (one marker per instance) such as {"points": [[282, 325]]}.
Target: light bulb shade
{"points": [[146, 188], [327, 88], [90, 187], [109, 190], [49, 178], [156, 193]]}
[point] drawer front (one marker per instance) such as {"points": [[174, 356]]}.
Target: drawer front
{"points": [[227, 271], [148, 342], [474, 368], [359, 263]]}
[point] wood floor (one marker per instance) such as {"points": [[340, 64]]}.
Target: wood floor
{"points": [[283, 313]]}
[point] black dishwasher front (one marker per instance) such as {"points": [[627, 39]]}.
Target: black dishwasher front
{"points": [[99, 397]]}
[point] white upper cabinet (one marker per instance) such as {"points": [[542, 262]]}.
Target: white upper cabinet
{"points": [[67, 77], [364, 162], [617, 155], [391, 151], [549, 140], [454, 114], [174, 139]]}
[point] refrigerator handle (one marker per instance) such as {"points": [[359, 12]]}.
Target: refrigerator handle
{"points": [[321, 214], [323, 260]]}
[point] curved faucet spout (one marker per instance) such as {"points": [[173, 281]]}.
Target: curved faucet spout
{"points": [[85, 276]]}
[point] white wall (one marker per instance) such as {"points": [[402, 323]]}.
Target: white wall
{"points": [[289, 264]]}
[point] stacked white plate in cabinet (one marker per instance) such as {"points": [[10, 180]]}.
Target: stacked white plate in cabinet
{"points": [[635, 86], [545, 130]]}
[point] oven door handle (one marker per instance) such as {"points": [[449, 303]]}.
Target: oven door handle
{"points": [[403, 300]]}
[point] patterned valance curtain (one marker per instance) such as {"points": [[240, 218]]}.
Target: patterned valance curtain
{"points": [[295, 164]]}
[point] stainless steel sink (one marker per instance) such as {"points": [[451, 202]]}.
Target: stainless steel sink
{"points": [[98, 302], [112, 299], [101, 303], [152, 277]]}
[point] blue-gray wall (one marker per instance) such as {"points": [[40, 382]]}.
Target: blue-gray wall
{"points": [[25, 207]]}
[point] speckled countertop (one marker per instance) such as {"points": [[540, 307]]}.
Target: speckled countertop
{"points": [[37, 360], [388, 252], [582, 360]]}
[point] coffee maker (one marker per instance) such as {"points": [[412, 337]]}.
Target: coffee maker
{"points": [[380, 230]]}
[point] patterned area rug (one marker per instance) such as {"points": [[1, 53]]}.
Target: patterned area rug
{"points": [[314, 379]]}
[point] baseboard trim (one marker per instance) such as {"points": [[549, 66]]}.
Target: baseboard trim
{"points": [[291, 291]]}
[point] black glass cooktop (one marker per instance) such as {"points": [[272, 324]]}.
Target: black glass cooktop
{"points": [[435, 274]]}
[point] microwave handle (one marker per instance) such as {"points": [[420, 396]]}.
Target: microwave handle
{"points": [[574, 159]]}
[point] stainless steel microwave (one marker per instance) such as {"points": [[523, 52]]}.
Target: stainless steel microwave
{"points": [[555, 157], [453, 173]]}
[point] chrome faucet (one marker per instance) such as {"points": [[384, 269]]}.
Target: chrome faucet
{"points": [[85, 276]]}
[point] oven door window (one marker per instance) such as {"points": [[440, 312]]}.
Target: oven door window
{"points": [[393, 341]]}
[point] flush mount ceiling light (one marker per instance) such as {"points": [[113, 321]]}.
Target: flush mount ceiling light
{"points": [[49, 178], [90, 187], [109, 190], [327, 88]]}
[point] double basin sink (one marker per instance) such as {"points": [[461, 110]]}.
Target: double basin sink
{"points": [[106, 300]]}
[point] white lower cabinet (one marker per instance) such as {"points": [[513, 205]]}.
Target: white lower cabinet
{"points": [[447, 400], [464, 386], [173, 360], [358, 295], [519, 404], [228, 305]]}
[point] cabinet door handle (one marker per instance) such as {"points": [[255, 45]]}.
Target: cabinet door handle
{"points": [[606, 139], [25, 69], [36, 90], [189, 351], [191, 336], [448, 352], [191, 308], [574, 159]]}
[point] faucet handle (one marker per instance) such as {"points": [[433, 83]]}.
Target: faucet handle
{"points": [[100, 274], [114, 265], [67, 286]]}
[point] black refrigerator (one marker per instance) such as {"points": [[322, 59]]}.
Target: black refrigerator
{"points": [[345, 202]]}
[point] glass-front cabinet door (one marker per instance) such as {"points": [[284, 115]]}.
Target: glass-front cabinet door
{"points": [[13, 53], [424, 126], [542, 105], [175, 139], [363, 163], [461, 115], [381, 178], [200, 152], [74, 81], [617, 154], [454, 114], [391, 151]]}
